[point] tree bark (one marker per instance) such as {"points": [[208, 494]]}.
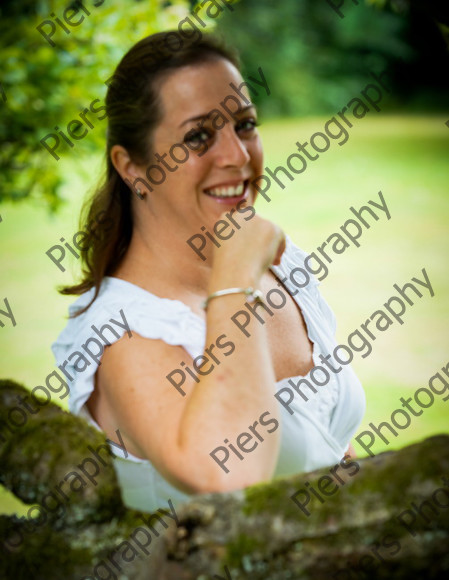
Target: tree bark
{"points": [[374, 518]]}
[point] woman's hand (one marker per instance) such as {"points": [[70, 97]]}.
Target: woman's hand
{"points": [[245, 257]]}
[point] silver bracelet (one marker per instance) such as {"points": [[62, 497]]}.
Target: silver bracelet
{"points": [[251, 295]]}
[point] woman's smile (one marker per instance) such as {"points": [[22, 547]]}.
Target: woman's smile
{"points": [[229, 193]]}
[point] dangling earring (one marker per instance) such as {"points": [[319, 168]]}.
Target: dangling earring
{"points": [[139, 194]]}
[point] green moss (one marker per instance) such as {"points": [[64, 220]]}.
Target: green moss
{"points": [[272, 498], [240, 549]]}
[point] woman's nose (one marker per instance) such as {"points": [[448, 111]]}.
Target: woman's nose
{"points": [[231, 150]]}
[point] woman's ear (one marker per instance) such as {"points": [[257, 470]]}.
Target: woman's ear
{"points": [[124, 165]]}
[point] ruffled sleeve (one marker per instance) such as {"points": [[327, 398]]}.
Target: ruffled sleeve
{"points": [[124, 308]]}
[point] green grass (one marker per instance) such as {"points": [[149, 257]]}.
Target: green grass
{"points": [[405, 157]]}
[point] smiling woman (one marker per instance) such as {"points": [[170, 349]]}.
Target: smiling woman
{"points": [[143, 265], [197, 138]]}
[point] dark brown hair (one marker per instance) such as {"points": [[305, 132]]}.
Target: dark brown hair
{"points": [[133, 110]]}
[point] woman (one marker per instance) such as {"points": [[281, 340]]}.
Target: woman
{"points": [[192, 392]]}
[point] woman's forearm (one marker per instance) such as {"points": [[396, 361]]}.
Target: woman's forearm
{"points": [[231, 405]]}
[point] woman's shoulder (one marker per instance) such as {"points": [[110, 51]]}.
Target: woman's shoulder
{"points": [[116, 294], [122, 307]]}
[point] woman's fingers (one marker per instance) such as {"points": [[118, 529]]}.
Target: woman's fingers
{"points": [[247, 255]]}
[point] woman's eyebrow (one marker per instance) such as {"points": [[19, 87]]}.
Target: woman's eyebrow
{"points": [[207, 115]]}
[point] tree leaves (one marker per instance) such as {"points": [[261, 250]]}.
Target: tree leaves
{"points": [[47, 86]]}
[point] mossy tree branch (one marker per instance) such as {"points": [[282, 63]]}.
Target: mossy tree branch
{"points": [[374, 525]]}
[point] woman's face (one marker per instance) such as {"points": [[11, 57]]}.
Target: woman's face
{"points": [[224, 153]]}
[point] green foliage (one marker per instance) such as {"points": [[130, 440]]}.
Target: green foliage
{"points": [[316, 59], [46, 86], [312, 57], [437, 9]]}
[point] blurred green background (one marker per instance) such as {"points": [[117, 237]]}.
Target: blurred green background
{"points": [[315, 61]]}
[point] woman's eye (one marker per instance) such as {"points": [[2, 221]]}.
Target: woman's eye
{"points": [[197, 138], [247, 125]]}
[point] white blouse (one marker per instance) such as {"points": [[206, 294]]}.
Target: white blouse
{"points": [[316, 435]]}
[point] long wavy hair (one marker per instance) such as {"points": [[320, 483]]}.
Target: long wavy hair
{"points": [[134, 110]]}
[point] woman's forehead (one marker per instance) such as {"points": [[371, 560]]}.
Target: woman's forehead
{"points": [[196, 89]]}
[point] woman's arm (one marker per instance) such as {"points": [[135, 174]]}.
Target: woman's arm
{"points": [[178, 433]]}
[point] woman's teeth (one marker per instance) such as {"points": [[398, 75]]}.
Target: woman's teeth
{"points": [[230, 191]]}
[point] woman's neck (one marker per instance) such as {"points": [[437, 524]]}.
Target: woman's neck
{"points": [[166, 266]]}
